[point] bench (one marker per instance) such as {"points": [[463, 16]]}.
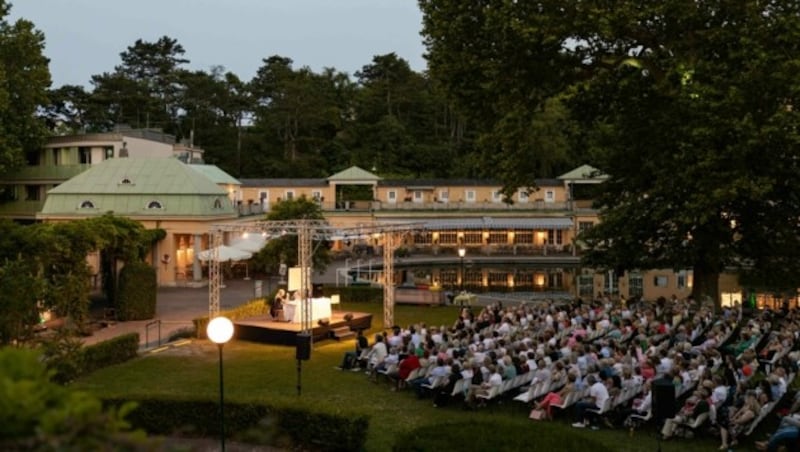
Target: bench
{"points": [[408, 295]]}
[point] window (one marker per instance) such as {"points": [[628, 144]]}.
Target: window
{"points": [[684, 279], [217, 203], [610, 282], [154, 205], [661, 280], [108, 152], [391, 196], [586, 286], [444, 196], [417, 196], [473, 238], [263, 196], [555, 280], [635, 285], [497, 279], [423, 238], [555, 237], [522, 196], [448, 238], [87, 205], [497, 196], [125, 181], [33, 192], [316, 195], [523, 237], [33, 158], [85, 155], [584, 226], [549, 196], [469, 195], [289, 195], [498, 237], [57, 156]]}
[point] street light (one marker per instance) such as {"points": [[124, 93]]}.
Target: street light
{"points": [[461, 253], [220, 331]]}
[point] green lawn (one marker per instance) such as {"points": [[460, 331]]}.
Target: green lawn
{"points": [[268, 374]]}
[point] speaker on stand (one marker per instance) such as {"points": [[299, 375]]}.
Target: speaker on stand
{"points": [[663, 404]]}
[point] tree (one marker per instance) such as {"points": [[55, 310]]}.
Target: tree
{"points": [[39, 414], [688, 106], [503, 64], [283, 250], [144, 90], [24, 80]]}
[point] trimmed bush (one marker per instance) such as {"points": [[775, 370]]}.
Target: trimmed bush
{"points": [[306, 430], [358, 294], [110, 352], [136, 293], [252, 308]]}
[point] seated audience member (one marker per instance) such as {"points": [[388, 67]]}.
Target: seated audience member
{"points": [[740, 418], [692, 408], [556, 398], [356, 359], [787, 435], [598, 394]]}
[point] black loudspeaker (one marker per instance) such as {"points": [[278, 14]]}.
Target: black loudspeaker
{"points": [[663, 399], [303, 350]]}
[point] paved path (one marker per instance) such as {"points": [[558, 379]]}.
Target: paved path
{"points": [[176, 308]]}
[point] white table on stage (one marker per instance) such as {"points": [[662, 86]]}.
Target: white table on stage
{"points": [[320, 309]]}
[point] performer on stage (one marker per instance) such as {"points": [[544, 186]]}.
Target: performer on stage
{"points": [[276, 310]]}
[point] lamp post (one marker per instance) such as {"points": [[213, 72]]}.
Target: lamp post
{"points": [[220, 331], [461, 253], [347, 272], [358, 269]]}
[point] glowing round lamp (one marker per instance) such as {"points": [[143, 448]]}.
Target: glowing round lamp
{"points": [[220, 330]]}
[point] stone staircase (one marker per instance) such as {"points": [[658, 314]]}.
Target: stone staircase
{"points": [[342, 333]]}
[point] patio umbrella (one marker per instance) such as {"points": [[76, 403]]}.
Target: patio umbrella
{"points": [[252, 244], [224, 254]]}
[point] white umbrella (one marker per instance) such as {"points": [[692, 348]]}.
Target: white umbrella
{"points": [[252, 244], [224, 254]]}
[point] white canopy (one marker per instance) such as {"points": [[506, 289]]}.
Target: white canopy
{"points": [[251, 244], [225, 254]]}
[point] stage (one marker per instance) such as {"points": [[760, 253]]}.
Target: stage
{"points": [[267, 331]]}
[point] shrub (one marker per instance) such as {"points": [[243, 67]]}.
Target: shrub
{"points": [[305, 429], [252, 308], [110, 352], [358, 294], [136, 294]]}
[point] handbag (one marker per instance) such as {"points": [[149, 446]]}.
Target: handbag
{"points": [[536, 415]]}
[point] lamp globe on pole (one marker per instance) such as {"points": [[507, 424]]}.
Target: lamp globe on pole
{"points": [[220, 331]]}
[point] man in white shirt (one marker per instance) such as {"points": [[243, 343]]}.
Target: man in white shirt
{"points": [[598, 394]]}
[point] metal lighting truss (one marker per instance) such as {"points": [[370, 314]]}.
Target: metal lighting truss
{"points": [[307, 231]]}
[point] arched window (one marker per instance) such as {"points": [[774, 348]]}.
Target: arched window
{"points": [[217, 203], [154, 205], [125, 181], [87, 205]]}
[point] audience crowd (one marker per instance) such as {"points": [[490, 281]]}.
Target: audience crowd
{"points": [[599, 361]]}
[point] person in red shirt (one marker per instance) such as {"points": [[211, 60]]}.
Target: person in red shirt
{"points": [[404, 368]]}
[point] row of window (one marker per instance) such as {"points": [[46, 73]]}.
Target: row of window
{"points": [[263, 195], [34, 158], [523, 237], [469, 196], [683, 280], [154, 204]]}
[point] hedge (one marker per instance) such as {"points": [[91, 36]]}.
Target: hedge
{"points": [[136, 293], [358, 294], [303, 428], [252, 308], [110, 352]]}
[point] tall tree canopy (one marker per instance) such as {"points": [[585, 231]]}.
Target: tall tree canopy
{"points": [[24, 80], [689, 106]]}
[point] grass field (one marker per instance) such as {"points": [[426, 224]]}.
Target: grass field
{"points": [[268, 374]]}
